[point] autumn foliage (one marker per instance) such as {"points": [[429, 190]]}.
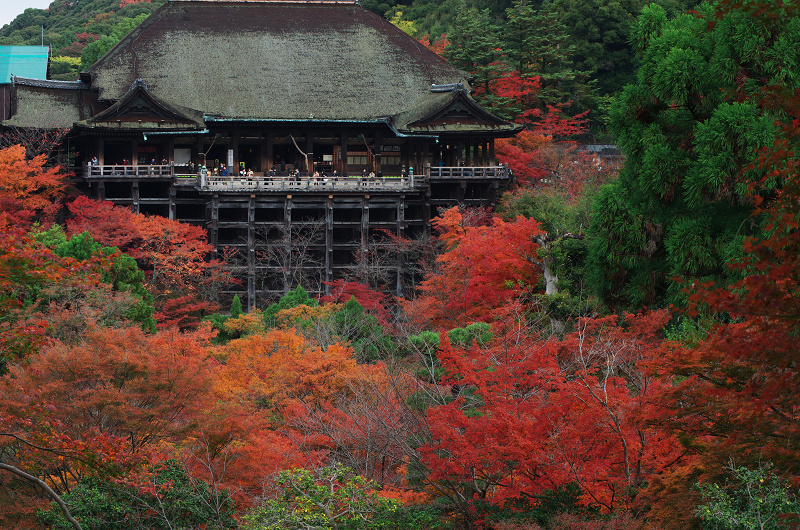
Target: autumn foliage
{"points": [[481, 269], [28, 190]]}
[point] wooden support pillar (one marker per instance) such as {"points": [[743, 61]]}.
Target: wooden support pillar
{"points": [[101, 191], [491, 152], [100, 146], [251, 253], [426, 159], [461, 192], [197, 158], [172, 195], [170, 150], [401, 224], [459, 153], [135, 151], [135, 196], [268, 153], [328, 243], [378, 152], [214, 235], [364, 222], [287, 230], [235, 146], [343, 148], [309, 152]]}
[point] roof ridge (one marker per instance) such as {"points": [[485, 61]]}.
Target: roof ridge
{"points": [[49, 83]]}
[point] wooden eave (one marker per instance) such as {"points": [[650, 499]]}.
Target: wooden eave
{"points": [[139, 110]]}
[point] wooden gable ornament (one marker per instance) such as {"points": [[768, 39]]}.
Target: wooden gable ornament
{"points": [[460, 109], [138, 108]]}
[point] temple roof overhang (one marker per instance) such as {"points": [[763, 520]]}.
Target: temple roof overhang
{"points": [[139, 110]]}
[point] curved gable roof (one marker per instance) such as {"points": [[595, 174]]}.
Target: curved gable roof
{"points": [[273, 60]]}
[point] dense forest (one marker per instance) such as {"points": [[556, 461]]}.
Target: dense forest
{"points": [[613, 347]]}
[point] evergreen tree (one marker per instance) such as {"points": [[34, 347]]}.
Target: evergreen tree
{"points": [[475, 47], [680, 207], [236, 306]]}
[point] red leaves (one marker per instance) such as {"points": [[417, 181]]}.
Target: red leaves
{"points": [[482, 269], [535, 413], [437, 47], [173, 255]]}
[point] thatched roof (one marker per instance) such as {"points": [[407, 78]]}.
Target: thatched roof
{"points": [[273, 60], [49, 104]]}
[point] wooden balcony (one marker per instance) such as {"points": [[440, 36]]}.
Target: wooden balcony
{"points": [[307, 184], [468, 172], [137, 171]]}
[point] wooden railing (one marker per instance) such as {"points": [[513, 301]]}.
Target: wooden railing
{"points": [[468, 172], [156, 171], [308, 184]]}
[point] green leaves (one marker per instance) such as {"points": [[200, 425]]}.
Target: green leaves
{"points": [[332, 497], [750, 499]]}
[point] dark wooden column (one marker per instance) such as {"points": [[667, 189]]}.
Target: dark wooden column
{"points": [[214, 235], [401, 224], [270, 152], [328, 243], [235, 147], [309, 152], [491, 152], [134, 151], [287, 229], [251, 253], [172, 195], [343, 146], [378, 150], [135, 196], [364, 222]]}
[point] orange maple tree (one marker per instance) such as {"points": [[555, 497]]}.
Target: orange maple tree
{"points": [[28, 190]]}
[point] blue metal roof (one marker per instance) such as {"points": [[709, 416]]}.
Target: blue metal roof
{"points": [[23, 61]]}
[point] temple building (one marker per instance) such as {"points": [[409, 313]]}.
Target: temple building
{"points": [[275, 124]]}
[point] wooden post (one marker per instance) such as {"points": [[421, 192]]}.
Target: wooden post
{"points": [[270, 156], [364, 222], [287, 228], [214, 235], [172, 195], [343, 161], [401, 221], [251, 253], [135, 196], [378, 151], [309, 152], [234, 171], [328, 243]]}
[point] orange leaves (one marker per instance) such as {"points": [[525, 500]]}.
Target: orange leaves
{"points": [[274, 369], [27, 189], [123, 382]]}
